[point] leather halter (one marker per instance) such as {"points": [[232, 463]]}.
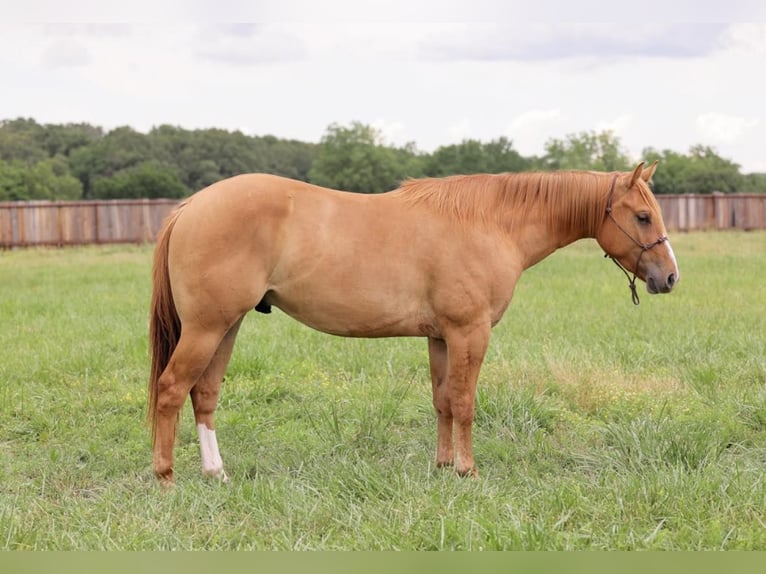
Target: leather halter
{"points": [[644, 246]]}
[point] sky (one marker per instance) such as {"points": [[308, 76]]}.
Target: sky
{"points": [[434, 75]]}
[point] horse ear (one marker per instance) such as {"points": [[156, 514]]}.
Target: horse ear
{"points": [[647, 174], [636, 174]]}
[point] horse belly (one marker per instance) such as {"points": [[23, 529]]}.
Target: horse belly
{"points": [[371, 310], [347, 267]]}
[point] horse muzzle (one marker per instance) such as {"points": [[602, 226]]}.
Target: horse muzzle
{"points": [[657, 283]]}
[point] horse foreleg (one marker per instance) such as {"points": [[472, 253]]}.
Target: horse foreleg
{"points": [[465, 354], [437, 354], [204, 397], [187, 364]]}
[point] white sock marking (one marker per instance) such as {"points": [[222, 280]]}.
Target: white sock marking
{"points": [[212, 465]]}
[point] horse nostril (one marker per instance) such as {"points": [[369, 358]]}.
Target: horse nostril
{"points": [[671, 280]]}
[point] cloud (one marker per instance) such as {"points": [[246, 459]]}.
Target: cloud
{"points": [[90, 30], [533, 119], [536, 42], [531, 129], [248, 44], [723, 128], [459, 130], [238, 29], [391, 132], [70, 45], [66, 53], [746, 38], [618, 125]]}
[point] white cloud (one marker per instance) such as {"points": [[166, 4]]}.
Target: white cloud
{"points": [[552, 41], [248, 44], [531, 129], [93, 30], [533, 119], [66, 53], [723, 128], [619, 125], [745, 39], [458, 131], [393, 133]]}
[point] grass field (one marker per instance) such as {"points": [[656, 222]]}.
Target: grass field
{"points": [[599, 425]]}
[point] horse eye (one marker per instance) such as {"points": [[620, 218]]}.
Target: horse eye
{"points": [[644, 218]]}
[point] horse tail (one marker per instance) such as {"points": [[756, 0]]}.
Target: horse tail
{"points": [[164, 323]]}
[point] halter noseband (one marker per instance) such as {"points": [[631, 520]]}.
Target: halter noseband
{"points": [[644, 246]]}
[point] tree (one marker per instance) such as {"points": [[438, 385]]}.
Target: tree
{"points": [[43, 180], [149, 179], [288, 158], [355, 159], [474, 156], [63, 139], [702, 170], [40, 160], [410, 161], [26, 140], [754, 183], [206, 156], [586, 150], [121, 148], [19, 141], [12, 185]]}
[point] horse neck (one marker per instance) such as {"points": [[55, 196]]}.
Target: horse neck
{"points": [[567, 207]]}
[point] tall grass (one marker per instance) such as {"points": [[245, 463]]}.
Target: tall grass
{"points": [[598, 424]]}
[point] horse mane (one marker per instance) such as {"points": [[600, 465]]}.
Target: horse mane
{"points": [[576, 198]]}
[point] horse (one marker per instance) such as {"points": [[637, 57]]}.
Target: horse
{"points": [[437, 258]]}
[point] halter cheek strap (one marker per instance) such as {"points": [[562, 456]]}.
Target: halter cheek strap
{"points": [[644, 246]]}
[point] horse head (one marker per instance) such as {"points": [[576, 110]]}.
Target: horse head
{"points": [[633, 233]]}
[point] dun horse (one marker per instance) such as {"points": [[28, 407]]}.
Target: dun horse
{"points": [[436, 258]]}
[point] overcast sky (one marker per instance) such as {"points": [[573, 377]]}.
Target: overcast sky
{"points": [[431, 81]]}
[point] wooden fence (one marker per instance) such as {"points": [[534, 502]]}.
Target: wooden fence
{"points": [[30, 223], [714, 211]]}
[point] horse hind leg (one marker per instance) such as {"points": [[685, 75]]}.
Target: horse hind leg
{"points": [[189, 361], [204, 397]]}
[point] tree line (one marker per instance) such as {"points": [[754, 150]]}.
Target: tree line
{"points": [[81, 161]]}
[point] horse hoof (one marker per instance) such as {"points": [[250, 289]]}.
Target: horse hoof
{"points": [[166, 484], [219, 474], [471, 472], [164, 477]]}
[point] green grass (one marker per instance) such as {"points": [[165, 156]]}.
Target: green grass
{"points": [[599, 425]]}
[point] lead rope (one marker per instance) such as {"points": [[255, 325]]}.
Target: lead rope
{"points": [[631, 281]]}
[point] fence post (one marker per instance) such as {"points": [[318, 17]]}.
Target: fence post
{"points": [[96, 234]]}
